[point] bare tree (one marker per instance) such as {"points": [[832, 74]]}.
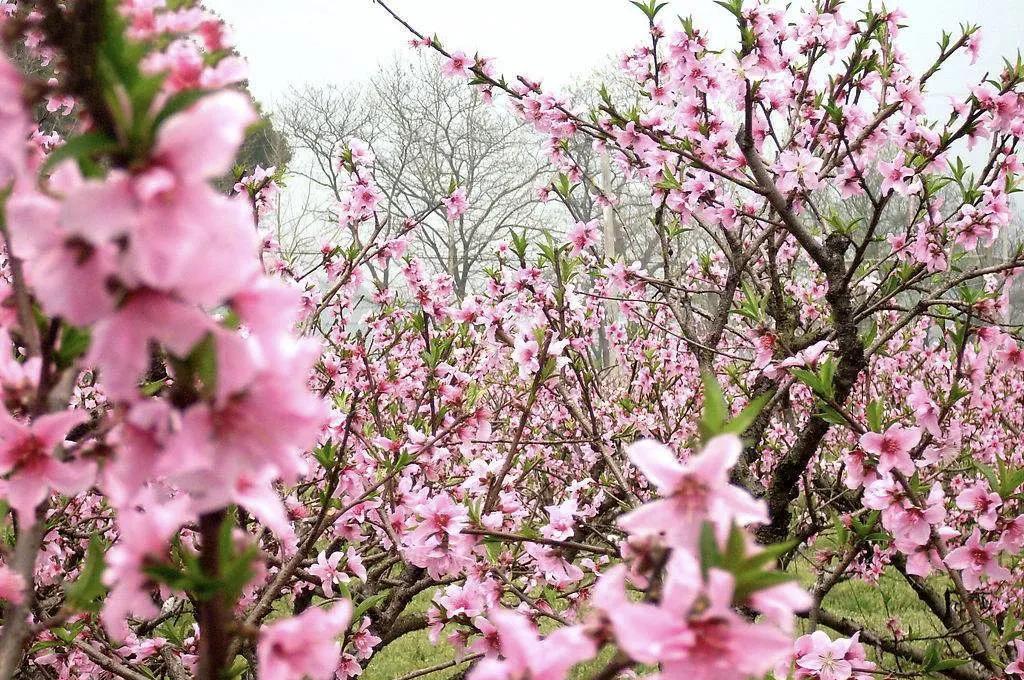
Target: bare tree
{"points": [[318, 121], [428, 134]]}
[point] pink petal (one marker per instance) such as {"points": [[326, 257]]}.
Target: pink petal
{"points": [[658, 464], [202, 141]]}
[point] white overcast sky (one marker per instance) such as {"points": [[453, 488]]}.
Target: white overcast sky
{"points": [[289, 42]]}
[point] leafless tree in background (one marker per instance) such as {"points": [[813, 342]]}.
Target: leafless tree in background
{"points": [[427, 133], [317, 121]]}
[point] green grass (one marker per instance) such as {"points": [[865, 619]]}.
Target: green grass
{"points": [[873, 605], [412, 652], [409, 653]]}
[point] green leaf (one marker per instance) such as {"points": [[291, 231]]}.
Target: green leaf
{"points": [[709, 553], [325, 454], [990, 474], [203, 362], [735, 7], [931, 658], [1009, 479], [748, 415], [751, 582], [239, 667], [236, 568], [87, 146], [366, 604], [768, 555], [344, 591], [168, 574], [177, 103], [716, 411], [150, 389], [519, 244], [874, 413], [830, 415], [820, 382], [493, 550], [84, 594], [808, 378], [73, 343], [551, 597], [735, 546]]}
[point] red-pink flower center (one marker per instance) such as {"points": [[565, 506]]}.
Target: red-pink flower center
{"points": [[979, 557], [691, 495], [440, 521], [712, 639], [889, 446], [28, 453]]}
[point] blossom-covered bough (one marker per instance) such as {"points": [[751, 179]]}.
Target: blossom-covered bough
{"points": [[219, 462]]}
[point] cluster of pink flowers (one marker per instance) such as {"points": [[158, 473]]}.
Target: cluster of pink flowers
{"points": [[821, 658], [157, 269], [137, 256], [694, 628], [690, 155]]}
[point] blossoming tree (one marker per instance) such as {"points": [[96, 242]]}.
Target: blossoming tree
{"points": [[219, 463]]}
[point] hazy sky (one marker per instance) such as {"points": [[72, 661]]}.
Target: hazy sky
{"points": [[339, 41]]}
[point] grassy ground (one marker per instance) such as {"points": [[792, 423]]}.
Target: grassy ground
{"points": [[411, 652], [871, 605], [874, 605]]}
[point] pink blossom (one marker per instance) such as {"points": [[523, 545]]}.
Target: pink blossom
{"points": [[33, 469], [912, 525], [462, 600], [925, 410], [882, 493], [982, 503], [144, 532], [12, 585], [974, 45], [693, 631], [692, 492], [173, 246], [527, 656], [69, 260], [441, 520], [583, 235], [780, 603], [1011, 355], [121, 342], [554, 568], [303, 646], [859, 470], [897, 177], [329, 571], [457, 65], [799, 169], [525, 352], [455, 204], [808, 357], [363, 640], [977, 559], [1016, 667], [893, 448], [1012, 538], [819, 657]]}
